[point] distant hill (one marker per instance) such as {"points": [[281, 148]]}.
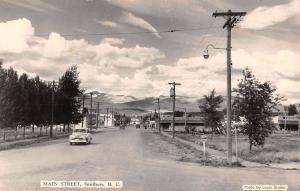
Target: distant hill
{"points": [[131, 105], [134, 106]]}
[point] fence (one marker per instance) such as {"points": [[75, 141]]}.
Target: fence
{"points": [[11, 134]]}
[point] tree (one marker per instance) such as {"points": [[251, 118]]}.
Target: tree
{"points": [[67, 103], [25, 113], [253, 104], [8, 95], [292, 109], [209, 108], [117, 118]]}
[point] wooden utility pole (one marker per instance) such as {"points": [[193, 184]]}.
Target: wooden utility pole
{"points": [[83, 99], [158, 109], [107, 117], [231, 19], [173, 94], [91, 109], [97, 114], [185, 116], [52, 110]]}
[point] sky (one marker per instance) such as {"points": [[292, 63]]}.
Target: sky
{"points": [[121, 47]]}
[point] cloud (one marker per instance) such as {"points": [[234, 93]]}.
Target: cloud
{"points": [[15, 34], [35, 5], [107, 23], [138, 22], [158, 8], [114, 67], [199, 76], [263, 17], [113, 41], [50, 56]]}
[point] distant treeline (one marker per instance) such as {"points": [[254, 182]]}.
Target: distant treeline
{"points": [[26, 101]]}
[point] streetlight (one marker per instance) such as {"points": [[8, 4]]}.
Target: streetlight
{"points": [[228, 130], [206, 54]]}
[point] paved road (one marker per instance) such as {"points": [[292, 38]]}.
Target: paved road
{"points": [[123, 155]]}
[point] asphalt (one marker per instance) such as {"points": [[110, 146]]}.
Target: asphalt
{"points": [[123, 155]]}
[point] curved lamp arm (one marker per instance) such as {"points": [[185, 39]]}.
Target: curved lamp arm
{"points": [[210, 45]]}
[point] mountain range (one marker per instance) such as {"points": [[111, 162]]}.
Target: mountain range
{"points": [[131, 105]]}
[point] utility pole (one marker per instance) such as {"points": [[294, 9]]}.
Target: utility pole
{"points": [[52, 110], [112, 116], [158, 109], [91, 109], [83, 99], [97, 120], [285, 115], [107, 117], [173, 94], [185, 121], [231, 19]]}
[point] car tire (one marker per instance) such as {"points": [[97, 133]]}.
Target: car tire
{"points": [[71, 143]]}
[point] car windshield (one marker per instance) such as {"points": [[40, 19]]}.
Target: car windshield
{"points": [[80, 131]]}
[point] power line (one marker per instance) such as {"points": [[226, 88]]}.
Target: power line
{"points": [[130, 33]]}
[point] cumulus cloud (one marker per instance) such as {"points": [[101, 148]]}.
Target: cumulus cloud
{"points": [[263, 17], [112, 67], [199, 76], [113, 41], [138, 22], [50, 56], [15, 34]]}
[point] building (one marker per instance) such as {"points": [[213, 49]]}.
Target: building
{"points": [[106, 120], [135, 121], [103, 120], [289, 123], [181, 122]]}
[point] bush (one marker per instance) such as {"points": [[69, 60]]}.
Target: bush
{"points": [[190, 129]]}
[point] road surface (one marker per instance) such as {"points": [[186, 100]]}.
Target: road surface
{"points": [[125, 155]]}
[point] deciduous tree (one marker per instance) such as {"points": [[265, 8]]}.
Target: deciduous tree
{"points": [[209, 108], [253, 103]]}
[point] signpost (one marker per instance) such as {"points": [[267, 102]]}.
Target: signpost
{"points": [[204, 139]]}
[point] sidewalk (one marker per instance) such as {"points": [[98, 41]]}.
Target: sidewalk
{"points": [[24, 142], [223, 155]]}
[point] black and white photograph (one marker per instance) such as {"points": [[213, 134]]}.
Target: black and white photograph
{"points": [[150, 95]]}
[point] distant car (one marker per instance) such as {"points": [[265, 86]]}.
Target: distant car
{"points": [[122, 126], [80, 135], [137, 126]]}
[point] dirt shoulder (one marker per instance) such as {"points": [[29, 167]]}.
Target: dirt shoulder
{"points": [[167, 147], [36, 140], [280, 150]]}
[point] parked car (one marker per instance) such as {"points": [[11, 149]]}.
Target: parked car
{"points": [[80, 135], [137, 126]]}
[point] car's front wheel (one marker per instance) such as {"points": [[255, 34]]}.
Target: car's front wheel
{"points": [[71, 143]]}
